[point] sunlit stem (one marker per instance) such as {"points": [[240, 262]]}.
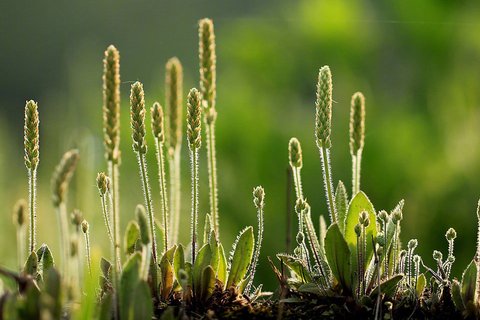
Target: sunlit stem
{"points": [[175, 194], [32, 195], [212, 174], [148, 202], [113, 172], [87, 252], [356, 169], [194, 168], [257, 251], [163, 191], [106, 218], [327, 179]]}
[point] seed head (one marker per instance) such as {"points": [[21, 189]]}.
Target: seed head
{"points": [[412, 244], [358, 229], [85, 226], [383, 216], [31, 135], [208, 60], [62, 175], [380, 251], [397, 216], [111, 103], [20, 212], [137, 115], [295, 153], [357, 123], [174, 105], [259, 197], [416, 259], [364, 219], [323, 104], [381, 239], [300, 237], [451, 259], [451, 234], [103, 183], [194, 123], [143, 224], [403, 253], [157, 122], [300, 205], [437, 255]]}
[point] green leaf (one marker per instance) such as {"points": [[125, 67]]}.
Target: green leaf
{"points": [[207, 283], [106, 267], [214, 247], [52, 287], [106, 307], [311, 288], [387, 287], [159, 233], [142, 302], [45, 258], [457, 295], [469, 282], [421, 283], [341, 204], [296, 266], [128, 282], [179, 263], [358, 204], [202, 260], [222, 266], [132, 234], [338, 256], [166, 269], [241, 258], [31, 266]]}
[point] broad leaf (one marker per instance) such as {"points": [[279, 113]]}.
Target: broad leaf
{"points": [[338, 256], [388, 287], [358, 204], [241, 258], [457, 295], [222, 265], [203, 259], [179, 263], [45, 258], [31, 266], [142, 302], [296, 266], [421, 283], [469, 282], [129, 280], [166, 269], [207, 283], [214, 247], [132, 234]]}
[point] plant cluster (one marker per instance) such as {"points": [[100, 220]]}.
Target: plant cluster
{"points": [[357, 264]]}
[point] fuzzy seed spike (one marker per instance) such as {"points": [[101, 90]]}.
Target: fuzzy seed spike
{"points": [[173, 98], [157, 122], [31, 135], [62, 175], [137, 114], [207, 62], [324, 108], [111, 103], [295, 153], [357, 123], [194, 122]]}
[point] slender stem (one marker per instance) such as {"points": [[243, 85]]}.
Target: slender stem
{"points": [[148, 202], [288, 209], [113, 171], [327, 179], [212, 175], [163, 191], [106, 218], [194, 163], [298, 182], [359, 168], [354, 176], [257, 251], [87, 252], [32, 192], [173, 190]]}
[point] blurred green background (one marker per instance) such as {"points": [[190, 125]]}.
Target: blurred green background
{"points": [[417, 62]]}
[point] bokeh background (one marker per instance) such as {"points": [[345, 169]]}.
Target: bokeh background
{"points": [[417, 62]]}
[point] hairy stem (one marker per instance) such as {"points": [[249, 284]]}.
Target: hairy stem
{"points": [[212, 175], [257, 251], [106, 218], [20, 246], [32, 193], [194, 168], [113, 172], [175, 194], [87, 252], [356, 169], [64, 238], [148, 202], [163, 191], [327, 179]]}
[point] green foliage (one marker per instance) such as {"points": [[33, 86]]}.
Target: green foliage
{"points": [[338, 256], [241, 256]]}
